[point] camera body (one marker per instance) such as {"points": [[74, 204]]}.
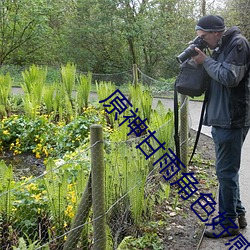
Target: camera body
{"points": [[190, 51]]}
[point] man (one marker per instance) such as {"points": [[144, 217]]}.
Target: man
{"points": [[228, 112]]}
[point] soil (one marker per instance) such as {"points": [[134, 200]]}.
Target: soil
{"points": [[185, 229], [25, 164]]}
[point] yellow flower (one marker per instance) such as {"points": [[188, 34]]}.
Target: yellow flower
{"points": [[6, 132], [69, 211], [31, 186], [45, 151], [17, 152], [38, 155], [73, 199], [14, 209], [37, 196]]}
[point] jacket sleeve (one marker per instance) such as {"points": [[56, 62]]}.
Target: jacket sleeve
{"points": [[234, 66]]}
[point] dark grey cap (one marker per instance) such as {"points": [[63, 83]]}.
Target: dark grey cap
{"points": [[210, 23]]}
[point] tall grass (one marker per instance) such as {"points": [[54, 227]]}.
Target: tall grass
{"points": [[83, 91], [5, 90], [104, 90], [141, 98], [6, 184], [68, 74], [33, 86], [162, 121], [48, 98], [126, 172]]}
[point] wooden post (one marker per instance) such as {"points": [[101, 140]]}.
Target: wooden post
{"points": [[135, 74], [184, 131], [80, 218], [98, 195]]}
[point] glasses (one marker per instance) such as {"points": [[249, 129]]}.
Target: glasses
{"points": [[203, 36]]}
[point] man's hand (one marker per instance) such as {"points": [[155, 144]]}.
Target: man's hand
{"points": [[200, 58]]}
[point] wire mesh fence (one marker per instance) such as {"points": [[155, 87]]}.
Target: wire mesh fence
{"points": [[41, 210], [56, 209], [160, 87]]}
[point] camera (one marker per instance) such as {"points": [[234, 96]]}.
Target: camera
{"points": [[190, 51]]}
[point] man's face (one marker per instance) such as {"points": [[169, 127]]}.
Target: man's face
{"points": [[211, 38]]}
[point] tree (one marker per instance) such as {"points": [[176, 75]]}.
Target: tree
{"points": [[21, 21], [108, 36], [237, 13]]}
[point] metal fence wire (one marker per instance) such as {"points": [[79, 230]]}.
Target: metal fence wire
{"points": [[94, 198], [55, 209]]}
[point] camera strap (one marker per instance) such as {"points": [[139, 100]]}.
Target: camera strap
{"points": [[199, 127], [176, 125]]}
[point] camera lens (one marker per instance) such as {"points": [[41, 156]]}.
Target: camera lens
{"points": [[187, 53], [190, 51]]}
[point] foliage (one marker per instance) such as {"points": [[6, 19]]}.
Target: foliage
{"points": [[48, 98], [51, 200], [141, 98], [147, 241], [22, 22], [5, 90], [34, 81], [6, 184], [104, 90], [236, 13], [68, 74], [30, 204], [162, 121], [127, 169], [23, 245], [83, 91], [43, 137], [106, 36]]}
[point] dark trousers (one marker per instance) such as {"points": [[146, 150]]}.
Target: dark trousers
{"points": [[228, 145]]}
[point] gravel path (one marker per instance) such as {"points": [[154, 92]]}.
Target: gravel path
{"points": [[219, 244]]}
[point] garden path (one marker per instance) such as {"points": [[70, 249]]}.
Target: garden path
{"points": [[194, 116]]}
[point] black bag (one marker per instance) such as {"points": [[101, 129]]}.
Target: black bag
{"points": [[192, 80]]}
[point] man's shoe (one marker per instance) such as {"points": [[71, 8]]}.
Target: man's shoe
{"points": [[242, 221], [218, 229]]}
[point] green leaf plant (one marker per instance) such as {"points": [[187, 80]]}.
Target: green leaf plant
{"points": [[68, 74], [104, 90], [5, 90], [33, 86], [141, 98], [83, 91], [6, 204]]}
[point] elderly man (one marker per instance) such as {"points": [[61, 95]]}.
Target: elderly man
{"points": [[228, 112]]}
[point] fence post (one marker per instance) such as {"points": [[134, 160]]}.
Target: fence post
{"points": [[80, 218], [184, 131], [135, 74], [98, 195]]}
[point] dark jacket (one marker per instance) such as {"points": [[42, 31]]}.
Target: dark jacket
{"points": [[229, 90]]}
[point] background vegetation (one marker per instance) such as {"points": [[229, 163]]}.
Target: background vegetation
{"points": [[98, 36], [104, 36]]}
